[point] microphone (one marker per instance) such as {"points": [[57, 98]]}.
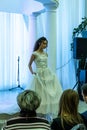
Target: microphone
{"points": [[18, 58]]}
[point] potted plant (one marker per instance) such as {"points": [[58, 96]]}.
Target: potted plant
{"points": [[81, 28]]}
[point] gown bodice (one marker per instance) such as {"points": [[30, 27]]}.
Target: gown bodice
{"points": [[40, 59]]}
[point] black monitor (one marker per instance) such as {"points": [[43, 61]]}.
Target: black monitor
{"points": [[79, 48]]}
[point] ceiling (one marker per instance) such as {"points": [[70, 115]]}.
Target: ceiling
{"points": [[21, 6]]}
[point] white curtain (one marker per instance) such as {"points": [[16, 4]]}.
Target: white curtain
{"points": [[69, 15], [13, 45]]}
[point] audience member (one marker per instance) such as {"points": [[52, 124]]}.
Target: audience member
{"points": [[28, 102], [68, 115], [84, 94]]}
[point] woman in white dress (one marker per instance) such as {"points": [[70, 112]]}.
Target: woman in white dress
{"points": [[45, 82]]}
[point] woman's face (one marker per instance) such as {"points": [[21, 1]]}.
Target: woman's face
{"points": [[43, 44]]}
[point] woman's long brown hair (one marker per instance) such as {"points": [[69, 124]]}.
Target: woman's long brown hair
{"points": [[68, 108]]}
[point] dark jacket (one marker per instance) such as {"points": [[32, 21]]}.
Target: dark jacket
{"points": [[84, 114], [56, 124]]}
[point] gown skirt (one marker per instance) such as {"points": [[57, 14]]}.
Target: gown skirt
{"points": [[47, 85]]}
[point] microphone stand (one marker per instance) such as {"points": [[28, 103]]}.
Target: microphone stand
{"points": [[18, 79]]}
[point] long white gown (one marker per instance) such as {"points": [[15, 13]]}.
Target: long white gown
{"points": [[46, 84]]}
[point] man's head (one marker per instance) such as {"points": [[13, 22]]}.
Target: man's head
{"points": [[84, 92]]}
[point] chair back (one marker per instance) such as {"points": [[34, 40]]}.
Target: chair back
{"points": [[79, 127]]}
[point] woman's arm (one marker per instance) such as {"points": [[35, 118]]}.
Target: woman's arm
{"points": [[30, 63]]}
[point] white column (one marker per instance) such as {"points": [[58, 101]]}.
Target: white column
{"points": [[33, 29], [51, 33]]}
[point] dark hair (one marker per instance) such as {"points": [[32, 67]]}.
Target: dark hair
{"points": [[84, 89], [38, 42]]}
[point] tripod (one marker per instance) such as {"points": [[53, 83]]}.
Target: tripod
{"points": [[82, 65], [79, 83], [18, 79]]}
